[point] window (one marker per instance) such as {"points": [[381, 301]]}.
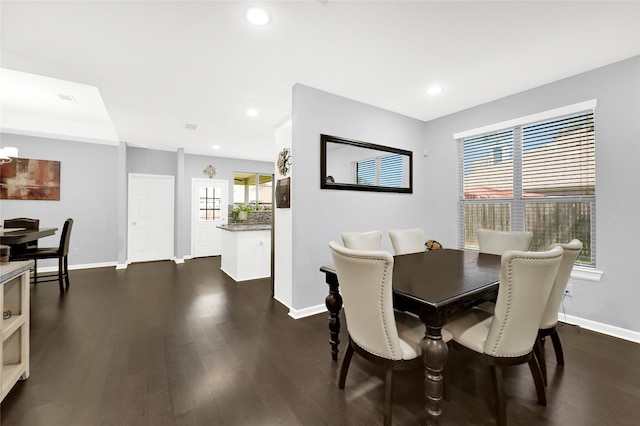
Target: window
{"points": [[380, 171], [537, 176], [254, 189], [209, 204]]}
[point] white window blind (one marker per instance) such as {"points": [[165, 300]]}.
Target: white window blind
{"points": [[391, 170], [366, 172], [537, 176], [380, 171]]}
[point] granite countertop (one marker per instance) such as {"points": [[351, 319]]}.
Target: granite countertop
{"points": [[246, 227]]}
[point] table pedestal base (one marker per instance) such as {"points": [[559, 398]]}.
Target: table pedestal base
{"points": [[435, 353]]}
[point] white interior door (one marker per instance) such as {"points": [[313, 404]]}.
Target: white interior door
{"points": [[151, 212], [209, 203]]}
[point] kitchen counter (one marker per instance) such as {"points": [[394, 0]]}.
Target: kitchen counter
{"points": [[245, 227], [246, 251]]}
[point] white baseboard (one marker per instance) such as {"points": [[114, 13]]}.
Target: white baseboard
{"points": [[307, 312], [178, 261], [609, 330], [82, 266], [122, 266]]}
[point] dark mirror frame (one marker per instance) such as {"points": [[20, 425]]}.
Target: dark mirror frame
{"points": [[324, 184]]}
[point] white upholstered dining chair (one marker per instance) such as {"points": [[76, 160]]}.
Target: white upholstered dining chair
{"points": [[371, 240], [405, 241], [376, 332], [497, 242], [548, 325], [509, 335]]}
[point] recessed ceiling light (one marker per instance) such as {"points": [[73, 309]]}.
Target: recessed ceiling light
{"points": [[65, 97], [189, 126], [252, 112], [434, 90], [215, 146], [257, 16]]}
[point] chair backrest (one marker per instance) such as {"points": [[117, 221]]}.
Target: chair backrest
{"points": [[63, 249], [371, 240], [365, 278], [26, 223], [571, 253], [497, 242], [405, 241], [22, 222], [525, 284]]}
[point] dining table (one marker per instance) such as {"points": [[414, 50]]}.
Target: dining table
{"points": [[13, 236], [434, 285]]}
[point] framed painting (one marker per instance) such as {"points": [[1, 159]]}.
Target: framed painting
{"points": [[29, 179]]}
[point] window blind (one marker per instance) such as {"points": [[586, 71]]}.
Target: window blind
{"points": [[537, 176], [391, 170], [366, 172]]}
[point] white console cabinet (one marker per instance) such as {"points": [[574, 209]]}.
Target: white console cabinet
{"points": [[14, 356]]}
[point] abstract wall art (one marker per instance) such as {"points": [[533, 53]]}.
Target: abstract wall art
{"points": [[29, 179]]}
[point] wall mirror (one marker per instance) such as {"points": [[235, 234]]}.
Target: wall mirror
{"points": [[361, 166]]}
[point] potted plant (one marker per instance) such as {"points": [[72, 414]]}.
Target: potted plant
{"points": [[241, 212]]}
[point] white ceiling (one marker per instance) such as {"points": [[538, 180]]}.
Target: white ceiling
{"points": [[159, 65]]}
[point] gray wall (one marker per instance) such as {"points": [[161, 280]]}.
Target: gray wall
{"points": [[93, 192], [88, 194], [615, 300], [320, 216]]}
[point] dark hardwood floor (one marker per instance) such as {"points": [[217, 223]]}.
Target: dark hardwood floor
{"points": [[166, 344]]}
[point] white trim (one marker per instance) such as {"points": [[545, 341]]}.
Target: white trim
{"points": [[307, 312], [178, 261], [82, 266], [610, 330], [541, 116], [586, 274], [121, 266]]}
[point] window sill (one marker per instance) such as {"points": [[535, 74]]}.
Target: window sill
{"points": [[586, 274]]}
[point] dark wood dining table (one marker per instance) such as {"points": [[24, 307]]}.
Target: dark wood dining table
{"points": [[10, 237], [433, 285]]}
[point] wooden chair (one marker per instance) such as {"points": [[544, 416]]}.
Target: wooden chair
{"points": [[548, 325], [28, 224], [509, 335], [61, 253], [376, 332], [371, 240], [407, 241]]}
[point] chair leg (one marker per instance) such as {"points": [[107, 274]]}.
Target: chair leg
{"points": [[538, 350], [35, 271], [388, 387], [345, 366], [66, 271], [498, 394], [60, 274], [537, 378], [557, 347]]}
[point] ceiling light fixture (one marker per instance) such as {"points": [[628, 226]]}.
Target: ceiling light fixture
{"points": [[7, 154], [257, 16], [252, 112], [434, 90], [215, 146], [65, 97]]}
